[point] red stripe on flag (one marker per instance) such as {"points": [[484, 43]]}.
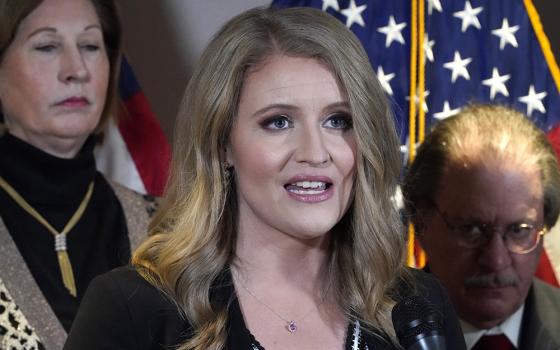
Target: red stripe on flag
{"points": [[545, 271], [146, 143], [554, 138]]}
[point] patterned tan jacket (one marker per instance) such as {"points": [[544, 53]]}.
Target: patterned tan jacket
{"points": [[26, 318]]}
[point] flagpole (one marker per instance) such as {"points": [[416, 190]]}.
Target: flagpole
{"points": [[420, 254], [543, 41], [411, 261]]}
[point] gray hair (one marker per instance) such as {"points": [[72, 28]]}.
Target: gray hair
{"points": [[481, 133]]}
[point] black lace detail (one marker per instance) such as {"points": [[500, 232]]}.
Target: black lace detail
{"points": [[255, 345], [354, 338], [152, 204]]}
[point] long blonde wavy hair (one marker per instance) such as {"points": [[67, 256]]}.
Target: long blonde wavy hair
{"points": [[193, 237]]}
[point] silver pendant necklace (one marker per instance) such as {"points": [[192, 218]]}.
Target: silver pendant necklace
{"points": [[291, 325]]}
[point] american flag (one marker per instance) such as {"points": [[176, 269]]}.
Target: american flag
{"points": [[492, 51], [135, 153]]}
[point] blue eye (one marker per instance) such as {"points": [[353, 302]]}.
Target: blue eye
{"points": [[339, 121], [279, 122]]}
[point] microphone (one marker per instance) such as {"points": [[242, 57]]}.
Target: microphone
{"points": [[418, 324]]}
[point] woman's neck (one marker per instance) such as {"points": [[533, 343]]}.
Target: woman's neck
{"points": [[61, 147], [267, 258], [40, 177], [284, 292]]}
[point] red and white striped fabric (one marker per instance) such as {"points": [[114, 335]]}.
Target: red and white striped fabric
{"points": [[135, 153]]}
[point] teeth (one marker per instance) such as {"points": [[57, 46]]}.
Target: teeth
{"points": [[311, 184], [306, 191], [307, 187]]}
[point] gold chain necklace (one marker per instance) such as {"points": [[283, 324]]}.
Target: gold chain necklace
{"points": [[59, 237]]}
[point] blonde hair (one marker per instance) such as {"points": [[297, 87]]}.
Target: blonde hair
{"points": [[482, 134], [193, 237]]}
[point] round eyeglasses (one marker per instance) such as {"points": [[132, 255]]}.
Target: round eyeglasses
{"points": [[518, 238]]}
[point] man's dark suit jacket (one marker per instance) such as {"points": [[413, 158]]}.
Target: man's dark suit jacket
{"points": [[540, 326]]}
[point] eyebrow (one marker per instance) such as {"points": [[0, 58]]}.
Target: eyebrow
{"points": [[343, 104], [54, 30], [274, 106]]}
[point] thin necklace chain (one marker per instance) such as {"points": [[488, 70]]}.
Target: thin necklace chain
{"points": [[291, 325]]}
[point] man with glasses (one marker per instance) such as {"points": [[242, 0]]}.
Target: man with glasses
{"points": [[482, 193]]}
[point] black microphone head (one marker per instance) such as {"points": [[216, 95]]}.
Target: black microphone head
{"points": [[415, 318]]}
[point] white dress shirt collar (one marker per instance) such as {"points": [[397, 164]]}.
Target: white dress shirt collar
{"points": [[511, 328]]}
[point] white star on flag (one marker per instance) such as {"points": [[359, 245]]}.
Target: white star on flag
{"points": [[393, 31], [384, 79], [506, 34], [447, 112], [533, 100], [428, 48], [354, 14], [458, 67], [434, 4], [405, 149], [417, 100], [330, 3], [468, 16], [497, 83]]}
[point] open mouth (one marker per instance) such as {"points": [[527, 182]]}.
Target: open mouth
{"points": [[308, 187]]}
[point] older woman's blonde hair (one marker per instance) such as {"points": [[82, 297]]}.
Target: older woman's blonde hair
{"points": [[193, 236], [13, 12]]}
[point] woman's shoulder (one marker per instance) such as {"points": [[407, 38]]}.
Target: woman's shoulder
{"points": [[131, 198], [138, 210], [122, 309], [128, 282], [126, 276], [142, 299]]}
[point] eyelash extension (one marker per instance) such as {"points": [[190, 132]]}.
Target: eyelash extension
{"points": [[267, 122], [347, 118]]}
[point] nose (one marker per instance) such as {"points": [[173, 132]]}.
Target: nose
{"points": [[494, 255], [311, 147], [73, 67]]}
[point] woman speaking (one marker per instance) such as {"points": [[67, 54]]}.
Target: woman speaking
{"points": [[277, 230]]}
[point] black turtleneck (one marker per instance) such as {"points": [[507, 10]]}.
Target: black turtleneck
{"points": [[55, 187]]}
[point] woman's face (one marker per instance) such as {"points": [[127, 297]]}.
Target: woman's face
{"points": [[293, 149], [54, 76]]}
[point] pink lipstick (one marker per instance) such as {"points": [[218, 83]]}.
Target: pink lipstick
{"points": [[74, 102]]}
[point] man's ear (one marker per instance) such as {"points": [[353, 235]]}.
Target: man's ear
{"points": [[419, 220]]}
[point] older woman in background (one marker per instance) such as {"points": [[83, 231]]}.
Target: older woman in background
{"points": [[62, 223]]}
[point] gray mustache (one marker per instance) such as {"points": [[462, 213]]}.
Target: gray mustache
{"points": [[492, 280]]}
